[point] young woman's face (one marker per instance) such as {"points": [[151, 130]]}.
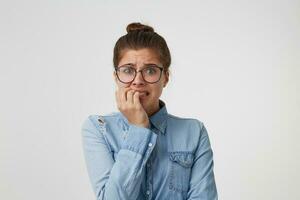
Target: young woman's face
{"points": [[139, 59]]}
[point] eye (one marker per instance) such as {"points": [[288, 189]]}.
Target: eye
{"points": [[151, 70], [127, 70]]}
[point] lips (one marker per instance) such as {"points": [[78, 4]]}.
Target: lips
{"points": [[143, 93]]}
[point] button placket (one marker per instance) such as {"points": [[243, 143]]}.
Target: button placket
{"points": [[149, 176]]}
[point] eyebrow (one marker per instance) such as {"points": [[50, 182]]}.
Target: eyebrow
{"points": [[145, 65]]}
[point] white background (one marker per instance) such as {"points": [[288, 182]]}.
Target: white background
{"points": [[235, 67]]}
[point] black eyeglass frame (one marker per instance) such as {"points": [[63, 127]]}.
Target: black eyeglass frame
{"points": [[136, 72]]}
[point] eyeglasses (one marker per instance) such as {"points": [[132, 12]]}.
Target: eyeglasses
{"points": [[150, 74]]}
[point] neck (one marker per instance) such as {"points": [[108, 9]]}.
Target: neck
{"points": [[153, 109]]}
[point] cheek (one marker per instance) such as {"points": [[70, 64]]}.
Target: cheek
{"points": [[122, 85], [156, 91]]}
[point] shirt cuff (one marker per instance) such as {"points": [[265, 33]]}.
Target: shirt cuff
{"points": [[139, 139]]}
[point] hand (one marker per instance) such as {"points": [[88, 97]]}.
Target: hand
{"points": [[129, 104]]}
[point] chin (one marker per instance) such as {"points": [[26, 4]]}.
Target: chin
{"points": [[145, 103]]}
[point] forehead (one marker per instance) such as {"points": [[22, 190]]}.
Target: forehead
{"points": [[141, 56]]}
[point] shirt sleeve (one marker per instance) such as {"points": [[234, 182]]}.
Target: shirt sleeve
{"points": [[122, 178], [202, 182]]}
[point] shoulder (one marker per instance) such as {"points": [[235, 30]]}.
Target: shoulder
{"points": [[96, 122], [185, 133], [186, 121], [193, 127]]}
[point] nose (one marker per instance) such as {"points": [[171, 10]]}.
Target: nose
{"points": [[138, 80]]}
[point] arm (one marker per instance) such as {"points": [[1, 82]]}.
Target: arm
{"points": [[120, 179], [202, 182]]}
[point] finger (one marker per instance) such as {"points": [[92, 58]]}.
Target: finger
{"points": [[136, 98], [117, 98], [129, 96], [122, 95]]}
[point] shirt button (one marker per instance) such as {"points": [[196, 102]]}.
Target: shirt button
{"points": [[150, 144], [148, 192]]}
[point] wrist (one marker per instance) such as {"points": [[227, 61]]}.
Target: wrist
{"points": [[144, 125]]}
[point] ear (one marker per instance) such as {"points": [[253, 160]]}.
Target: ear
{"points": [[114, 76], [166, 78]]}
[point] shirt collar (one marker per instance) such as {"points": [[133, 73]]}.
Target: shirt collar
{"points": [[158, 119]]}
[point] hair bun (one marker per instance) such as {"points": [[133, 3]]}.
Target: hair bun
{"points": [[138, 27]]}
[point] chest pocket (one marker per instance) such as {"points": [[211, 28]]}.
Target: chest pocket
{"points": [[180, 170]]}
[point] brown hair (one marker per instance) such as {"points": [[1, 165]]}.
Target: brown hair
{"points": [[141, 36]]}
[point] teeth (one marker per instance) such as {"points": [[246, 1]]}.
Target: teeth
{"points": [[144, 93]]}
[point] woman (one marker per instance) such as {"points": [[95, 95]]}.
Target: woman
{"points": [[143, 152]]}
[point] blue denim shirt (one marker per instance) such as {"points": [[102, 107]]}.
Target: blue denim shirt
{"points": [[171, 160]]}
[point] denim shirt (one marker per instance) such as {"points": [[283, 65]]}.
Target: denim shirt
{"points": [[170, 160]]}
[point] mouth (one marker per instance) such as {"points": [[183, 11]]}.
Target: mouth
{"points": [[144, 93]]}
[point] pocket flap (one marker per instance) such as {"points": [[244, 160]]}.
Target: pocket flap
{"points": [[185, 159]]}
